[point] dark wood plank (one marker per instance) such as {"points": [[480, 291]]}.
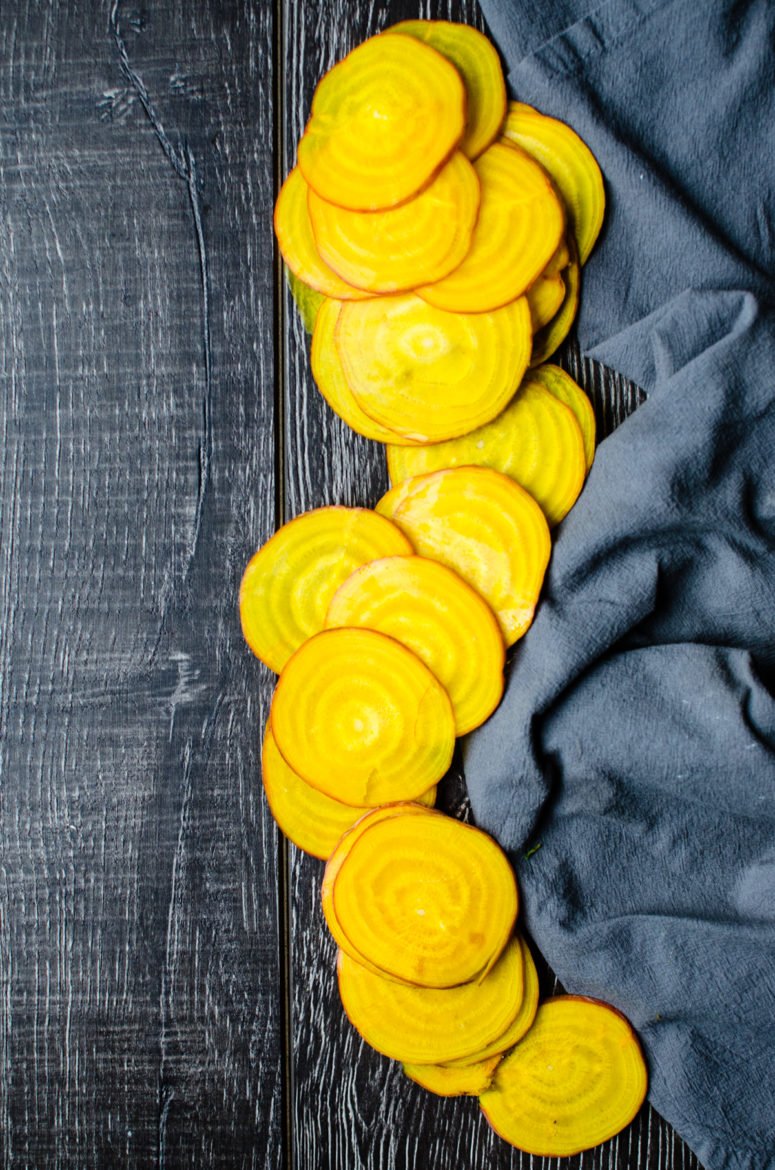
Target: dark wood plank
{"points": [[140, 1013], [352, 1108]]}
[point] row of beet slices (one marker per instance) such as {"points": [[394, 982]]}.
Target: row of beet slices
{"points": [[436, 260]]}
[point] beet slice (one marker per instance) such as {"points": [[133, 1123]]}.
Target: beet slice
{"points": [[571, 165], [362, 719], [384, 119], [478, 63], [577, 1079], [484, 526], [289, 582]]}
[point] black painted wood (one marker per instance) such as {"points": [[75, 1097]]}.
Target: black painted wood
{"points": [[140, 1012], [167, 996]]}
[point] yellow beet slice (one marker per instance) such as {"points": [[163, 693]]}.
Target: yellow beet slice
{"points": [[445, 622], [422, 1025], [383, 121], [307, 300], [309, 818], [484, 526], [520, 225], [289, 582], [297, 243], [551, 337], [570, 393], [477, 62], [423, 804], [536, 441], [329, 376], [577, 1079], [360, 717], [429, 900], [569, 162], [429, 374], [469, 1080], [544, 297], [401, 247], [523, 1019]]}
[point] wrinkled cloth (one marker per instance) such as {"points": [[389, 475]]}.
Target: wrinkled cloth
{"points": [[636, 741]]}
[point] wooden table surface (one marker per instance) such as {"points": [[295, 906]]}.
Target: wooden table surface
{"points": [[167, 996]]}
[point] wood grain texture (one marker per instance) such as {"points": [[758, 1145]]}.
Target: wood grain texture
{"points": [[141, 1014]]}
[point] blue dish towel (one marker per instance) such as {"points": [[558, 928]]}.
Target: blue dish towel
{"points": [[636, 740]]}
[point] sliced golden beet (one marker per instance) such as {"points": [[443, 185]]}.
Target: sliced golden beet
{"points": [[569, 162], [523, 1019], [329, 376], [486, 527], [544, 297], [477, 62], [520, 225], [429, 374], [570, 393], [289, 582], [360, 717], [297, 243], [401, 247], [307, 300], [422, 805], [309, 818], [577, 1079], [383, 121], [536, 441], [436, 614], [429, 900], [551, 337], [470, 1080], [422, 1025]]}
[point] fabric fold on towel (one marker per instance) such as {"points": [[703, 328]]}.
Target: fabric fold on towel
{"points": [[636, 740]]}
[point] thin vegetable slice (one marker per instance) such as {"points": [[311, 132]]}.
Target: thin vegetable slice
{"points": [[309, 818], [401, 247], [559, 383], [577, 1079], [536, 441], [297, 243], [423, 804], [429, 900], [523, 1020], [424, 1025], [360, 717], [436, 614], [569, 162], [289, 582], [470, 1080], [484, 526], [383, 121], [478, 63], [551, 337], [429, 374], [307, 300], [330, 378], [520, 225], [545, 296]]}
